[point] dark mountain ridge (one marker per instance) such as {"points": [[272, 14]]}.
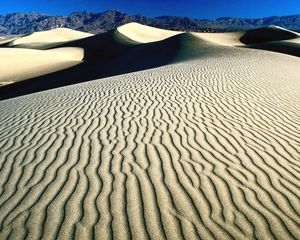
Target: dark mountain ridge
{"points": [[23, 23]]}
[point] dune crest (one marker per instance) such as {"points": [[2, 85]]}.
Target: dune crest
{"points": [[267, 34], [47, 38], [273, 38], [145, 34], [227, 39], [133, 47]]}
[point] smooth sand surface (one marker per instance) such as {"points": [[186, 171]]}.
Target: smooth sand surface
{"points": [[226, 39], [20, 64], [46, 39], [26, 57], [50, 36], [7, 39], [204, 147], [145, 34], [291, 46]]}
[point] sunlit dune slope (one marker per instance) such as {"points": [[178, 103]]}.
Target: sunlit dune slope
{"points": [[20, 64], [205, 147], [46, 39], [129, 48], [145, 34], [113, 53]]}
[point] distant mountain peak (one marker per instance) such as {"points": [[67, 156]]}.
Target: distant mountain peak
{"points": [[113, 11]]}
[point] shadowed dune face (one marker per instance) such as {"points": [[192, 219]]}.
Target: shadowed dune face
{"points": [[112, 54], [267, 34], [6, 39], [207, 148], [274, 39], [21, 59], [286, 47]]}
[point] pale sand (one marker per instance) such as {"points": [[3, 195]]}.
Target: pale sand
{"points": [[19, 64], [57, 35], [21, 59], [204, 148], [145, 34], [165, 44], [226, 39], [4, 40]]}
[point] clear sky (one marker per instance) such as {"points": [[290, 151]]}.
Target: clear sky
{"points": [[191, 8]]}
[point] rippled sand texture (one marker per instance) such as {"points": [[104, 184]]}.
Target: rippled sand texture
{"points": [[203, 149]]}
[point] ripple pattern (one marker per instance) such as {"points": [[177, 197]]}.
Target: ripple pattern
{"points": [[204, 149]]}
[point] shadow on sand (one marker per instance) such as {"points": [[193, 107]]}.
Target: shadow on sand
{"points": [[111, 54]]}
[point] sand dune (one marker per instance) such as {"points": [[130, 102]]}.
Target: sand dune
{"points": [[104, 52], [199, 140], [273, 38], [6, 39], [134, 47], [46, 39], [287, 47], [20, 64], [268, 34], [38, 54], [145, 34], [227, 39]]}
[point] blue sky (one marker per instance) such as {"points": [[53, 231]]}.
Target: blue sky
{"points": [[192, 8]]}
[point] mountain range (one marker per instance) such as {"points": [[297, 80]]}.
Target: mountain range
{"points": [[24, 23]]}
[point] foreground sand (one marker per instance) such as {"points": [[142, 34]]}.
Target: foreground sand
{"points": [[207, 147]]}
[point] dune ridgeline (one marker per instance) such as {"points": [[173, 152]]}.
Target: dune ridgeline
{"points": [[143, 133]]}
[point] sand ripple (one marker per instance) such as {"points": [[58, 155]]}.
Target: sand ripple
{"points": [[205, 149]]}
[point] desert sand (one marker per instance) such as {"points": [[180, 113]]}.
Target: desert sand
{"points": [[33, 55], [19, 64], [6, 39], [145, 34], [191, 138], [48, 38]]}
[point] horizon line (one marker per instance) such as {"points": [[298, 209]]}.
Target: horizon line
{"points": [[139, 14]]}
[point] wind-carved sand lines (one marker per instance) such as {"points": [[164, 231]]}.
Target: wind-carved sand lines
{"points": [[204, 149]]}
